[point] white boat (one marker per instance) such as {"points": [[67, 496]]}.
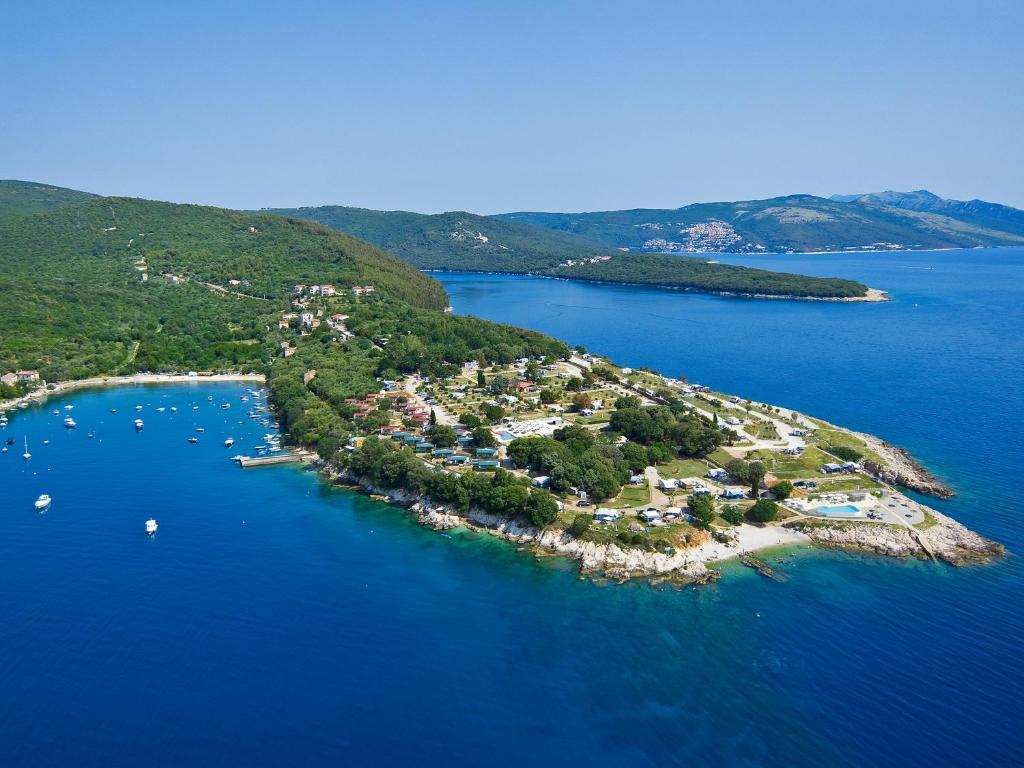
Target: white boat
{"points": [[225, 406], [138, 407], [43, 502], [70, 423], [56, 413], [195, 407], [139, 424], [151, 527], [113, 410], [4, 449], [229, 442], [26, 455], [193, 439], [69, 407], [160, 409], [174, 409]]}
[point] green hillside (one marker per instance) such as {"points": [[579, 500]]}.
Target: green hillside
{"points": [[467, 242], [23, 198], [87, 287], [457, 241], [795, 223]]}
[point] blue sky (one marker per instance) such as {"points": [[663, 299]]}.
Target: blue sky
{"points": [[489, 107]]}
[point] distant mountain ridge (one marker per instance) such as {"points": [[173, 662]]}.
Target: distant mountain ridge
{"points": [[797, 223]]}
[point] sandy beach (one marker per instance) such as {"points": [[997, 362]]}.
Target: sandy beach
{"points": [[63, 387]]}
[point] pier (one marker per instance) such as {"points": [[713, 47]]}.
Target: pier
{"points": [[265, 461]]}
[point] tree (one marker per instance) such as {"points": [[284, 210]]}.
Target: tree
{"points": [[627, 401], [499, 384], [580, 401], [738, 470], [783, 490], [541, 508], [442, 436], [732, 515], [580, 525], [481, 380], [548, 396], [470, 420], [482, 437], [493, 412], [763, 511], [703, 510], [755, 474], [635, 456]]}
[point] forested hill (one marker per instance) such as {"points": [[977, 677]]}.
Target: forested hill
{"points": [[796, 223], [116, 285], [457, 241], [23, 198], [467, 242]]}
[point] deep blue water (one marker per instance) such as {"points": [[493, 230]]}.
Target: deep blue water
{"points": [[330, 629]]}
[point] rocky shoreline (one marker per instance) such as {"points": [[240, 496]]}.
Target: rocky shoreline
{"points": [[944, 540], [903, 469]]}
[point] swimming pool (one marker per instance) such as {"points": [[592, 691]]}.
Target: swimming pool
{"points": [[839, 510], [504, 434]]}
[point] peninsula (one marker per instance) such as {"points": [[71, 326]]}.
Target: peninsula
{"points": [[467, 422]]}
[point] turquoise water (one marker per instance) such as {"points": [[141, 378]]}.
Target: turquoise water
{"points": [[839, 510], [276, 621]]}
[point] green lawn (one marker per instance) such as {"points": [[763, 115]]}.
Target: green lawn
{"points": [[679, 468], [631, 496]]}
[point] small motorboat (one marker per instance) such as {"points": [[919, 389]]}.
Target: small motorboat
{"points": [[151, 527], [43, 502], [70, 423], [209, 399], [229, 442], [138, 407], [56, 413], [195, 407], [200, 429], [91, 435], [69, 407], [113, 410], [160, 409], [174, 409], [193, 439], [225, 406], [138, 424], [4, 449]]}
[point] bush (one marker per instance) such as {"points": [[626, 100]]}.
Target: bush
{"points": [[845, 453], [580, 525], [732, 515], [783, 490], [763, 511]]}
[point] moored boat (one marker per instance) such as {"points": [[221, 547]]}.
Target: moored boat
{"points": [[42, 502], [151, 527], [139, 424]]}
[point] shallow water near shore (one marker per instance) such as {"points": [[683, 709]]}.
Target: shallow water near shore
{"points": [[330, 628]]}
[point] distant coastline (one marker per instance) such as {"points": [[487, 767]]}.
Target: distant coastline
{"points": [[873, 295]]}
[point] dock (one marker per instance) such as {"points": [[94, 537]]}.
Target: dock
{"points": [[265, 461]]}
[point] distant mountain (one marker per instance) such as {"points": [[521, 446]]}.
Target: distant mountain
{"points": [[992, 215], [796, 223], [23, 198], [467, 242]]}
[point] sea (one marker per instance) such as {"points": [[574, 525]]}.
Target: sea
{"points": [[274, 620]]}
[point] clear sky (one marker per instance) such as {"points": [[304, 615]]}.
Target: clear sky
{"points": [[486, 106]]}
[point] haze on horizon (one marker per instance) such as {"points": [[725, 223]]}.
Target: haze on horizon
{"points": [[494, 107]]}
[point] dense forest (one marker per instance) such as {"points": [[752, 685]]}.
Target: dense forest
{"points": [[696, 274], [23, 198]]}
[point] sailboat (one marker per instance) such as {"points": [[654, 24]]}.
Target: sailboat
{"points": [[26, 455]]}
